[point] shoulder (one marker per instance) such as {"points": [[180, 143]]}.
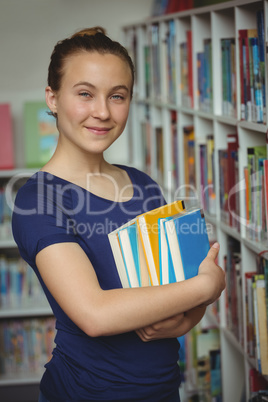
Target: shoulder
{"points": [[43, 190], [139, 176]]}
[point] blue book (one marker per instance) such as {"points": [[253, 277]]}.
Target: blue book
{"points": [[129, 247], [188, 242]]}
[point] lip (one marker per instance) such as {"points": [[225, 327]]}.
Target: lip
{"points": [[99, 130]]}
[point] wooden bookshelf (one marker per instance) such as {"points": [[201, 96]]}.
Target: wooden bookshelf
{"points": [[148, 41]]}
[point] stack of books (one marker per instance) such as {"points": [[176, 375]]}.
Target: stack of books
{"points": [[161, 246]]}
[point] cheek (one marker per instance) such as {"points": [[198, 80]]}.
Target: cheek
{"points": [[75, 112], [121, 115]]}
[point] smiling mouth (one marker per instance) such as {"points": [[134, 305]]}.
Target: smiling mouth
{"points": [[98, 130]]}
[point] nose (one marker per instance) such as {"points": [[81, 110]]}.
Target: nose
{"points": [[100, 108]]}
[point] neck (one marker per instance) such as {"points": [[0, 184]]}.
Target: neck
{"points": [[75, 164]]}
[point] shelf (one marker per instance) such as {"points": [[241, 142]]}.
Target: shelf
{"points": [[5, 174], [230, 231], [232, 339], [25, 312], [256, 247], [20, 378], [8, 244]]}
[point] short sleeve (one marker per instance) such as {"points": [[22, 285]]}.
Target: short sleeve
{"points": [[40, 219]]}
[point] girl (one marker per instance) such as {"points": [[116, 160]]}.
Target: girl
{"points": [[112, 344]]}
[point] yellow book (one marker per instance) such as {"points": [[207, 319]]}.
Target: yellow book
{"points": [[148, 229]]}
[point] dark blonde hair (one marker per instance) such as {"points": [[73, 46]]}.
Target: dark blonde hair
{"points": [[86, 40]]}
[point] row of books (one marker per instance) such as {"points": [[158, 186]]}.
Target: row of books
{"points": [[252, 71], [161, 7], [256, 291], [252, 53], [203, 364], [258, 386], [26, 345], [255, 296], [19, 285], [156, 247]]}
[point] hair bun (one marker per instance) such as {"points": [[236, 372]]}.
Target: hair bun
{"points": [[89, 31]]}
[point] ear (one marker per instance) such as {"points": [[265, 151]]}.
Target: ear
{"points": [[51, 100]]}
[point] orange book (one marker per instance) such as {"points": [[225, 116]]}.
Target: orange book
{"points": [[148, 229]]}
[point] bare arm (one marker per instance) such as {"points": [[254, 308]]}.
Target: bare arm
{"points": [[71, 279], [172, 327]]}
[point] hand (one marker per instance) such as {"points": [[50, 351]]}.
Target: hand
{"points": [[213, 275], [169, 328]]}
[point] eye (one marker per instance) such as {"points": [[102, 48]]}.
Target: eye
{"points": [[84, 94], [118, 97]]}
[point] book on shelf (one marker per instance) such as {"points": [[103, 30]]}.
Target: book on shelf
{"points": [[159, 141], [41, 134], [5, 215], [260, 316], [207, 173], [257, 383], [156, 69], [19, 285], [204, 77], [209, 378], [233, 292], [186, 71], [27, 345], [174, 141], [178, 5], [252, 71], [189, 160], [228, 64], [146, 130], [265, 193], [203, 364], [229, 182], [255, 202], [256, 303], [147, 70], [170, 60], [6, 137]]}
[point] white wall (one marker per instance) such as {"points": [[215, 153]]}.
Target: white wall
{"points": [[29, 29]]}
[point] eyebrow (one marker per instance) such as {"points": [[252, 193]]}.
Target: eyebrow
{"points": [[88, 84]]}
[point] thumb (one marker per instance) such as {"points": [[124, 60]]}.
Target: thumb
{"points": [[214, 251]]}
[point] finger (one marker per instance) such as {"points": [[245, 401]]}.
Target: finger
{"points": [[214, 251]]}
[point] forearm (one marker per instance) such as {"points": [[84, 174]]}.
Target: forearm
{"points": [[191, 319], [123, 310]]}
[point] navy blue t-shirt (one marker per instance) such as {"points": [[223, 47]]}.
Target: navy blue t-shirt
{"points": [[51, 210]]}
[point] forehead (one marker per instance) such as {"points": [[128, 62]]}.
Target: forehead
{"points": [[96, 68]]}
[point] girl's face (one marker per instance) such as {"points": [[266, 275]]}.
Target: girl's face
{"points": [[93, 102]]}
